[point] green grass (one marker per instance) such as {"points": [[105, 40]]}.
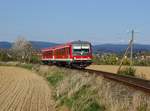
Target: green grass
{"points": [[82, 100], [95, 107], [143, 107], [66, 101], [127, 71], [27, 66], [55, 78]]}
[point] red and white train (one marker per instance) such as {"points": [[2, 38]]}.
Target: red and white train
{"points": [[73, 54]]}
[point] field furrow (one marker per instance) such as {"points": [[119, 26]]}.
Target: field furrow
{"points": [[23, 90]]}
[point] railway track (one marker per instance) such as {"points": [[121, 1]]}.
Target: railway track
{"points": [[137, 83], [134, 82]]}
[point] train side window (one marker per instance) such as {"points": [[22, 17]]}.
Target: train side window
{"points": [[60, 52], [66, 51], [56, 52], [49, 53], [69, 50], [63, 51]]}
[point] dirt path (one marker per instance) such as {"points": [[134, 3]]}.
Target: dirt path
{"points": [[22, 90]]}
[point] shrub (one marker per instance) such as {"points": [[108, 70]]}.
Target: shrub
{"points": [[126, 61], [127, 71], [35, 59], [4, 57], [110, 59]]}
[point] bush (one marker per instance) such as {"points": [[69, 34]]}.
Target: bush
{"points": [[35, 59], [126, 61], [127, 71], [142, 62], [109, 59], [4, 57]]}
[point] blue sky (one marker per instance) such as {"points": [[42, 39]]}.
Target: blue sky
{"points": [[98, 21]]}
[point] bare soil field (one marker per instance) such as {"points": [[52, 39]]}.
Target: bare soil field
{"points": [[141, 71], [23, 90]]}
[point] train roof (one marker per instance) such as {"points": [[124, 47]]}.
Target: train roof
{"points": [[80, 42], [65, 45]]}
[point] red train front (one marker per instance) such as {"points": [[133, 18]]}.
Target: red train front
{"points": [[73, 54]]}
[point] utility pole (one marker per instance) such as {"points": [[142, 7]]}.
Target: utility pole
{"points": [[131, 56], [130, 47]]}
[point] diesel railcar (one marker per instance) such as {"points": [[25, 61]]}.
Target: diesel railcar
{"points": [[73, 54]]}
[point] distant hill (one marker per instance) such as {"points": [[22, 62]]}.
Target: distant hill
{"points": [[5, 45], [40, 44], [35, 44], [116, 48]]}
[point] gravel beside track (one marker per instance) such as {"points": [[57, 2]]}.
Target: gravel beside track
{"points": [[22, 90]]}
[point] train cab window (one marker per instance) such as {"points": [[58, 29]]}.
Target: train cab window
{"points": [[81, 49], [77, 50], [85, 50]]}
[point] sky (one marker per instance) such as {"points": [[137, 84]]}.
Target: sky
{"points": [[97, 21]]}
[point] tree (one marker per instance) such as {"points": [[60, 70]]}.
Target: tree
{"points": [[4, 55], [110, 59], [22, 50]]}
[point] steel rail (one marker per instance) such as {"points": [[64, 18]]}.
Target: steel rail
{"points": [[137, 83], [134, 82]]}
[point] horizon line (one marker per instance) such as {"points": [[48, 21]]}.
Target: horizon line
{"points": [[89, 41]]}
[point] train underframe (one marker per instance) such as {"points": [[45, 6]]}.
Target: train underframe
{"points": [[70, 64]]}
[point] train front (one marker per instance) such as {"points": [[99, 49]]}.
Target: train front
{"points": [[81, 54]]}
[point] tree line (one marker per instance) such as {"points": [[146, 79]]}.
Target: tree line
{"points": [[115, 59], [21, 50]]}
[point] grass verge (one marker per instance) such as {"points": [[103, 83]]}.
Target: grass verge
{"points": [[130, 71], [79, 91], [55, 78]]}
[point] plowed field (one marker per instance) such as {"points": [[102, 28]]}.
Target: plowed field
{"points": [[22, 90]]}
